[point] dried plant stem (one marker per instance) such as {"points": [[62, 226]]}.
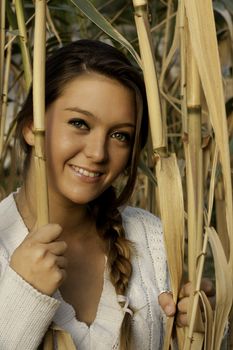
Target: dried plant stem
{"points": [[191, 125], [194, 167], [190, 339], [4, 100], [212, 185], [182, 31], [23, 43], [220, 207], [149, 71], [39, 112], [165, 51], [2, 44], [52, 26], [167, 30], [2, 40]]}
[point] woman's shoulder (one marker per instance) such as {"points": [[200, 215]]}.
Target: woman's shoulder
{"points": [[139, 217], [144, 229], [12, 229], [8, 208]]}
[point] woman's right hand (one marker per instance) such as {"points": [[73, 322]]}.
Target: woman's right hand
{"points": [[40, 260]]}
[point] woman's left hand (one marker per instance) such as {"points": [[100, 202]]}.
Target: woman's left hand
{"points": [[170, 309]]}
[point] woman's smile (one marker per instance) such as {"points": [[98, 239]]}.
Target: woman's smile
{"points": [[85, 172], [86, 175]]}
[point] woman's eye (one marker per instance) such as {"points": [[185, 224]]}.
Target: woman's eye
{"points": [[121, 136], [78, 123]]}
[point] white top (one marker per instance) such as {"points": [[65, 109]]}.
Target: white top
{"points": [[25, 313]]}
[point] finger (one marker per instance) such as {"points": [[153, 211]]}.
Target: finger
{"points": [[47, 233], [62, 274], [57, 247], [186, 290], [182, 320], [167, 303], [208, 287], [61, 262], [183, 305]]}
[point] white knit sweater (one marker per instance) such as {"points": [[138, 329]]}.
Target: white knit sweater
{"points": [[25, 313]]}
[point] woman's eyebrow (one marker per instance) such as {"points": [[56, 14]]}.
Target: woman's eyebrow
{"points": [[82, 111], [89, 114]]}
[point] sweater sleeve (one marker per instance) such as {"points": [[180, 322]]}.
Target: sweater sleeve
{"points": [[25, 313]]}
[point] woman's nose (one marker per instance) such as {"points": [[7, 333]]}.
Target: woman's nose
{"points": [[96, 148]]}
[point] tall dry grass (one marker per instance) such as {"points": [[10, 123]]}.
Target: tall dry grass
{"points": [[188, 85]]}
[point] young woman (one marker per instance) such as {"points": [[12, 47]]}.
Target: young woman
{"points": [[97, 269]]}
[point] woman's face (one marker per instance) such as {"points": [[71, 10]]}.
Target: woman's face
{"points": [[89, 136]]}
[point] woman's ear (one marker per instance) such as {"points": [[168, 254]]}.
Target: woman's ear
{"points": [[28, 134]]}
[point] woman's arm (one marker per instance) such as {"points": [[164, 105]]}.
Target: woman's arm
{"points": [[25, 313]]}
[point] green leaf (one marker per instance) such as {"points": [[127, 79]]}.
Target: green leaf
{"points": [[229, 5], [96, 17]]}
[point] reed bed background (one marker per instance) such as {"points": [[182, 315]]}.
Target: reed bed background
{"points": [[185, 49]]}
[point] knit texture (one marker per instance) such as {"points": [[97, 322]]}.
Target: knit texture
{"points": [[25, 313]]}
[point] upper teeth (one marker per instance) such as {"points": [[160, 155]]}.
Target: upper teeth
{"points": [[85, 172]]}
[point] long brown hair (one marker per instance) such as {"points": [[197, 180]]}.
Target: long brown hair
{"points": [[61, 67]]}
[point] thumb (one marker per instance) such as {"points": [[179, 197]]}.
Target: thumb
{"points": [[167, 304]]}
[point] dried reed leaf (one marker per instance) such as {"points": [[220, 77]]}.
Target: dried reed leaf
{"points": [[224, 289], [208, 312], [172, 214]]}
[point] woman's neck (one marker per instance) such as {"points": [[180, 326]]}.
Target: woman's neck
{"points": [[73, 218]]}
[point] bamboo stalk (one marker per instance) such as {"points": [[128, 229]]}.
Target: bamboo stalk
{"points": [[39, 112], [23, 43]]}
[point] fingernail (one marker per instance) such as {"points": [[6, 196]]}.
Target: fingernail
{"points": [[169, 310]]}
